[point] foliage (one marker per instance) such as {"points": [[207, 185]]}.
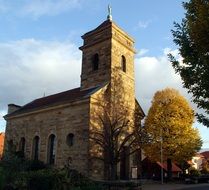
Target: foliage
{"points": [[2, 178], [14, 169], [47, 179], [194, 172], [184, 165], [33, 175], [54, 179], [205, 171], [13, 164], [192, 37], [34, 165], [170, 119], [76, 180]]}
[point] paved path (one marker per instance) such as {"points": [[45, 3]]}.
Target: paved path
{"points": [[156, 186], [204, 187]]}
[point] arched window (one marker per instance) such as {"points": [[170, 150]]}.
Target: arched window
{"points": [[70, 139], [22, 145], [51, 149], [95, 62], [123, 63], [35, 150]]}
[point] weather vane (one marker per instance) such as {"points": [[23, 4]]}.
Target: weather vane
{"points": [[109, 17]]}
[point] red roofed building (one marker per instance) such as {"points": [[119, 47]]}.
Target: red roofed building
{"points": [[175, 168], [1, 144], [197, 161], [205, 154], [205, 163], [153, 169]]}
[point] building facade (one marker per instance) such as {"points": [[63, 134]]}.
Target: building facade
{"points": [[56, 129], [1, 144]]}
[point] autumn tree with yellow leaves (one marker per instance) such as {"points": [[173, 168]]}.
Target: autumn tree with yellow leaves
{"points": [[170, 119]]}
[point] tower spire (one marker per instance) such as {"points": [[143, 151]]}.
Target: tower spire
{"points": [[109, 16]]}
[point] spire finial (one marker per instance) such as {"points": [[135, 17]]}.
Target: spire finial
{"points": [[109, 16]]}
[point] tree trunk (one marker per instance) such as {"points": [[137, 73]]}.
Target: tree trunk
{"points": [[106, 166], [113, 171], [169, 168], [106, 171]]}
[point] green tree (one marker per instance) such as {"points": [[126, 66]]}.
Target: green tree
{"points": [[192, 38], [170, 119]]}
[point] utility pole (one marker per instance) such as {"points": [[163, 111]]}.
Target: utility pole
{"points": [[161, 154]]}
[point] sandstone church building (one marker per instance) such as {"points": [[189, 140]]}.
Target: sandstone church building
{"points": [[56, 129]]}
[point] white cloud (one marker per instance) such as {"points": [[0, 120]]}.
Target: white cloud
{"points": [[156, 73], [142, 24], [142, 52], [2, 121], [29, 68], [38, 8], [153, 74]]}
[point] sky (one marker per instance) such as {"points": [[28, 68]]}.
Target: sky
{"points": [[39, 41]]}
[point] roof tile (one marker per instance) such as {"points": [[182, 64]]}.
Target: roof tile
{"points": [[55, 99]]}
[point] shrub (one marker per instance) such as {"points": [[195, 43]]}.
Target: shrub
{"points": [[40, 181], [18, 173], [194, 172], [34, 165], [205, 171], [76, 181], [2, 178], [13, 162]]}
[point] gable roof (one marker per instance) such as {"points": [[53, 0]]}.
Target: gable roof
{"points": [[140, 108], [105, 24], [205, 154], [53, 100], [200, 155], [175, 168]]}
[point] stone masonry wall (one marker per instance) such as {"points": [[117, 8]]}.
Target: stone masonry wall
{"points": [[123, 46], [97, 102], [89, 77], [73, 118]]}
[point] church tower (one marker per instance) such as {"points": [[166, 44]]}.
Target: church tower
{"points": [[57, 129], [107, 53]]}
